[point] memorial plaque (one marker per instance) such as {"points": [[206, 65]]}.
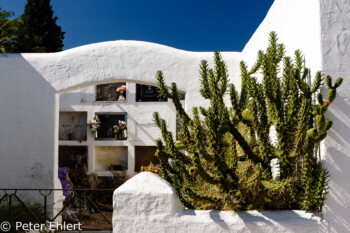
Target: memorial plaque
{"points": [[72, 126], [148, 93]]}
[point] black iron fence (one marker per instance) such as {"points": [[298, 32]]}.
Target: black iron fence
{"points": [[81, 208]]}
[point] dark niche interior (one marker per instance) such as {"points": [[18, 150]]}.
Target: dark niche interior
{"points": [[107, 122]]}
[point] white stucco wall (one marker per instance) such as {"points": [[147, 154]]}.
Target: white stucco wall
{"points": [[297, 24], [335, 21], [27, 128], [147, 203]]}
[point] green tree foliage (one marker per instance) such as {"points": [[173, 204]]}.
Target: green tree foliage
{"points": [[39, 31], [223, 158], [8, 31]]}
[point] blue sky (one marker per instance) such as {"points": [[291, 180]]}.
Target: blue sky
{"points": [[195, 25]]}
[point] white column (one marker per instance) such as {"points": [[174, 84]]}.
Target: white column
{"points": [[131, 160], [90, 142]]}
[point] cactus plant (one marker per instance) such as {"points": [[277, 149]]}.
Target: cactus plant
{"points": [[223, 157]]}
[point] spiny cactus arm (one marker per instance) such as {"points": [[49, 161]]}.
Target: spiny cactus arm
{"points": [[201, 171], [204, 71], [319, 133], [171, 175], [257, 64], [332, 90], [293, 106], [185, 128], [288, 74], [161, 83], [245, 146], [329, 124], [232, 157], [338, 82], [212, 84], [258, 116], [321, 120], [321, 188], [174, 95], [299, 60], [317, 82], [168, 139], [303, 118], [311, 172], [279, 186], [160, 123], [303, 86], [221, 73], [320, 137], [310, 161], [329, 81], [200, 137], [320, 101], [281, 52], [178, 106], [307, 203], [189, 191], [235, 100], [244, 92], [274, 49], [163, 158], [226, 176], [270, 67], [251, 180]]}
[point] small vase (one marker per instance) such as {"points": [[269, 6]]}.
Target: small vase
{"points": [[125, 133], [96, 135]]}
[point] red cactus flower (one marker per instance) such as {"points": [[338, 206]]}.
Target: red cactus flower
{"points": [[306, 69], [327, 102]]}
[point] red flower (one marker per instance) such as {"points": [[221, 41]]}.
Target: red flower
{"points": [[326, 102]]}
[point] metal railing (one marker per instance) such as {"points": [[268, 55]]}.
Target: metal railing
{"points": [[81, 204]]}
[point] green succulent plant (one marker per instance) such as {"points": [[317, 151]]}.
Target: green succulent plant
{"points": [[223, 158]]}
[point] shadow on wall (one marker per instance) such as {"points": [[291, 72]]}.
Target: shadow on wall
{"points": [[337, 161], [27, 128]]}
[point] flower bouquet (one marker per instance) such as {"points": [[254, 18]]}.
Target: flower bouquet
{"points": [[121, 91], [120, 130], [94, 124]]}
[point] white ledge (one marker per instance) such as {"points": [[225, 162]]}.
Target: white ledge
{"points": [[147, 203]]}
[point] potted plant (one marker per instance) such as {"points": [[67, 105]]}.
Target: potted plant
{"points": [[121, 90], [94, 125]]}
